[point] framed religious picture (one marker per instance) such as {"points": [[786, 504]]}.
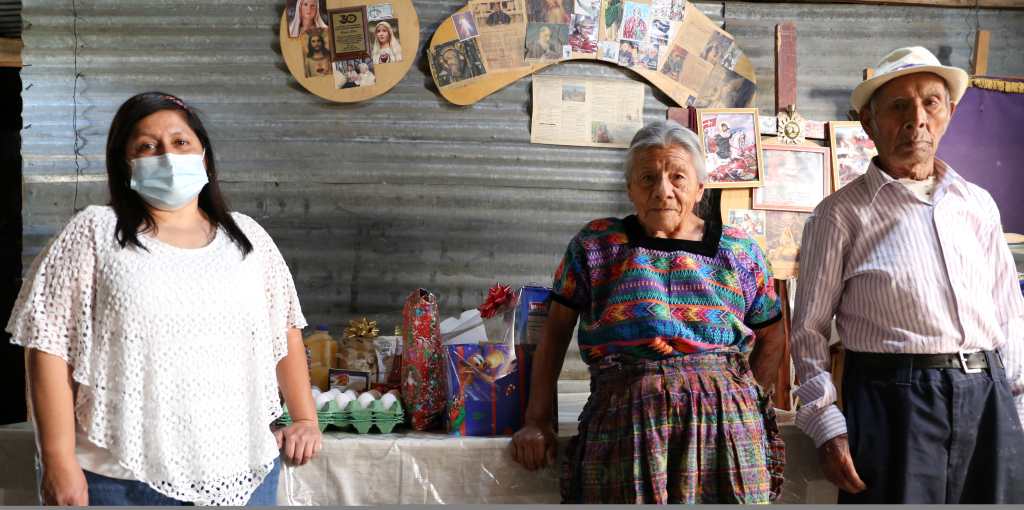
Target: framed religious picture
{"points": [[349, 34], [731, 139], [783, 233], [852, 151], [795, 178]]}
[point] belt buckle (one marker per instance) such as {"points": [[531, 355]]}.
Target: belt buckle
{"points": [[963, 364]]}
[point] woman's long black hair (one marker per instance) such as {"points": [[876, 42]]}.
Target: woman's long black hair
{"points": [[132, 215]]}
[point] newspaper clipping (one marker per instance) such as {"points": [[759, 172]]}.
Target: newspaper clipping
{"points": [[587, 112]]}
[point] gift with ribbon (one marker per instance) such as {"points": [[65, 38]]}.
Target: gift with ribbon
{"points": [[422, 362], [489, 353], [356, 351]]}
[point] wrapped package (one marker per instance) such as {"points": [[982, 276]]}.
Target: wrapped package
{"points": [[422, 362], [489, 385], [489, 353], [356, 351]]}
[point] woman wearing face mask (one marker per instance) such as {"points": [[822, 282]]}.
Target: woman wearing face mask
{"points": [[159, 330]]}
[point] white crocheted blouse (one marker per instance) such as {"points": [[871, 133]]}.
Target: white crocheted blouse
{"points": [[174, 350]]}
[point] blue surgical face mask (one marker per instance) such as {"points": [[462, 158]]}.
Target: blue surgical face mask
{"points": [[169, 181]]}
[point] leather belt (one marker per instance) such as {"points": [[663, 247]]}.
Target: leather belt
{"points": [[968, 362]]}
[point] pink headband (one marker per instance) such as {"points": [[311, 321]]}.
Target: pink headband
{"points": [[176, 101]]}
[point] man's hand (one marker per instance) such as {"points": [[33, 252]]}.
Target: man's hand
{"points": [[837, 464]]}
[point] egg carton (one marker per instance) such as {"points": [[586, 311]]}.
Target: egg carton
{"points": [[362, 420]]}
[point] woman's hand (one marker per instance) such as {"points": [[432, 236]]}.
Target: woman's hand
{"points": [[300, 441], [64, 484], [535, 446]]}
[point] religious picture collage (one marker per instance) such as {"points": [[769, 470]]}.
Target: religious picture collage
{"points": [[348, 44], [670, 39]]}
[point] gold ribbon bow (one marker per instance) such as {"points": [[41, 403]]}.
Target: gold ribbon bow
{"points": [[361, 328]]}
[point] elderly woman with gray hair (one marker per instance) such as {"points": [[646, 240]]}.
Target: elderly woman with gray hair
{"points": [[680, 325]]}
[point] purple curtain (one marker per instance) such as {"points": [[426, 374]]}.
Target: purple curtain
{"points": [[984, 143]]}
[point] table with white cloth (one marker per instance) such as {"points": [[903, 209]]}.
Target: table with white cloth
{"points": [[418, 467], [430, 468]]}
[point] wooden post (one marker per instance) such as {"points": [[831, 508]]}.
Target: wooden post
{"points": [[680, 115], [785, 97], [783, 385], [785, 66], [980, 53]]}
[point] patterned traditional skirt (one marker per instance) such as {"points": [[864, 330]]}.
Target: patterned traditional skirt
{"points": [[691, 429]]}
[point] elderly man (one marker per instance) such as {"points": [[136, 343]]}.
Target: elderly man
{"points": [[911, 261]]}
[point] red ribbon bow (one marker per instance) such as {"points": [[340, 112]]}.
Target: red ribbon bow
{"points": [[498, 297]]}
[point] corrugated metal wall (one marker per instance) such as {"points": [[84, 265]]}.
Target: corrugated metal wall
{"points": [[10, 18], [368, 201]]}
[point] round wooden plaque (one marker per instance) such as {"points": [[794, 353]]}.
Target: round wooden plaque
{"points": [[295, 49]]}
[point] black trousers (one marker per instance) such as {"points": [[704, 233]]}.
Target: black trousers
{"points": [[931, 436]]}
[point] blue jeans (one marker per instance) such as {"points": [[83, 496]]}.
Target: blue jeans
{"points": [[106, 491]]}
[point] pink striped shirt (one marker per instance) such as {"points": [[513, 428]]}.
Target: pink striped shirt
{"points": [[902, 275]]}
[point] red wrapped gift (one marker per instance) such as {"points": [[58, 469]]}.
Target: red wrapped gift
{"points": [[423, 388]]}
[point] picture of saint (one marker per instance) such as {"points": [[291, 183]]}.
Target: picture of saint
{"points": [[498, 16], [545, 41], [305, 16], [317, 57], [583, 35], [386, 47], [636, 24], [550, 11], [456, 61], [465, 25], [730, 147]]}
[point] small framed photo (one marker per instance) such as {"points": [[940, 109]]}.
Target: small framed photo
{"points": [[852, 151], [795, 178], [731, 141]]}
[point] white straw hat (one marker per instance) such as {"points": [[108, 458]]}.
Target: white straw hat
{"points": [[913, 59]]}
